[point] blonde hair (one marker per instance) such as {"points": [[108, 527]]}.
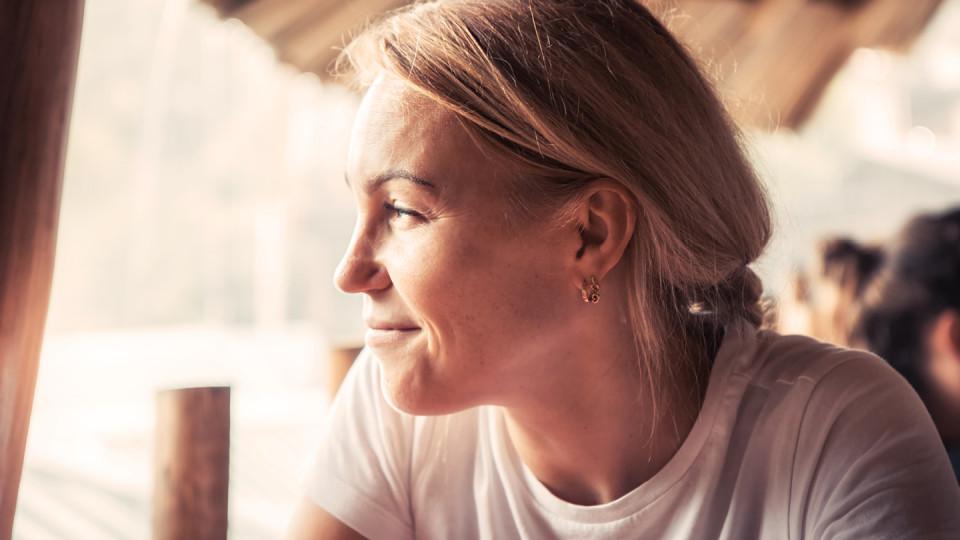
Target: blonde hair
{"points": [[573, 91]]}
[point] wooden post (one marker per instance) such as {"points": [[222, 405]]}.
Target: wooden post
{"points": [[40, 43], [339, 362], [192, 464]]}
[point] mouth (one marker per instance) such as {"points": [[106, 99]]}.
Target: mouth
{"points": [[380, 337]]}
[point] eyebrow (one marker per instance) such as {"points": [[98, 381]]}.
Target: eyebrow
{"points": [[397, 174]]}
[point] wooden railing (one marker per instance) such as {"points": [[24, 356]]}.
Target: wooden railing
{"points": [[192, 464]]}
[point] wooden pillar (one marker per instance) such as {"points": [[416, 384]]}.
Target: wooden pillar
{"points": [[191, 464], [40, 43], [339, 362]]}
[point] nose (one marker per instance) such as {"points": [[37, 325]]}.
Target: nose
{"points": [[359, 271]]}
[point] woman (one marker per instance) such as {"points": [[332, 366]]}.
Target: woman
{"points": [[910, 315], [554, 225]]}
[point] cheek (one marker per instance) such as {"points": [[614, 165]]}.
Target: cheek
{"points": [[478, 298]]}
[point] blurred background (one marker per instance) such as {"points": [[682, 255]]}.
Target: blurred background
{"points": [[204, 211]]}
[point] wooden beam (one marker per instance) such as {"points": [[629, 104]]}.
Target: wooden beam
{"points": [[734, 41], [226, 7], [192, 464], [780, 76], [710, 30], [315, 48], [40, 43], [892, 24], [774, 60], [845, 3]]}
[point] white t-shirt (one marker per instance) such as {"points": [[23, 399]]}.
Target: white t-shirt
{"points": [[796, 439]]}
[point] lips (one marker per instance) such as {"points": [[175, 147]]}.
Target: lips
{"points": [[384, 337], [388, 325]]}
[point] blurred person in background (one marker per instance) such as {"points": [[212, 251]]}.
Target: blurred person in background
{"points": [[910, 316], [554, 231], [823, 303], [844, 269]]}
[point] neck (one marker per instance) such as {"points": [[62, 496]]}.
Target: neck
{"points": [[589, 434]]}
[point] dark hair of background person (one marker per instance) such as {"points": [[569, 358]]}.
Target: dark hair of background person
{"points": [[919, 280], [848, 267], [848, 263]]}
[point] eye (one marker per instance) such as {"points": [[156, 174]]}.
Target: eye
{"points": [[399, 212]]}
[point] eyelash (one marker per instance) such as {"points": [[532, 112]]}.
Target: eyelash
{"points": [[402, 211]]}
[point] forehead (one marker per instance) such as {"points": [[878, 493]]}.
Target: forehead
{"points": [[398, 128]]}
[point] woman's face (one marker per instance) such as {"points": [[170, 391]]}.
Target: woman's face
{"points": [[463, 306]]}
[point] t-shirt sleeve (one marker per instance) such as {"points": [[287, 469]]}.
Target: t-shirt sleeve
{"points": [[360, 470], [869, 461]]}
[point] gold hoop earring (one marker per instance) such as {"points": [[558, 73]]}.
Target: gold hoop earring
{"points": [[590, 290]]}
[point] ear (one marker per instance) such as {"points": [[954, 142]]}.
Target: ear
{"points": [[606, 217], [945, 336], [943, 371]]}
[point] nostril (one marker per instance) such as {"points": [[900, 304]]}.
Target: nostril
{"points": [[378, 279]]}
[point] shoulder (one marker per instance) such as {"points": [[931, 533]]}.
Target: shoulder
{"points": [[867, 459], [830, 402], [802, 360], [835, 392]]}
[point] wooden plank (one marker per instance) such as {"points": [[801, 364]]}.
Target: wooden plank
{"points": [[893, 24], [192, 464], [766, 72], [270, 18], [782, 75], [316, 48], [710, 30], [764, 24], [70, 509], [41, 43]]}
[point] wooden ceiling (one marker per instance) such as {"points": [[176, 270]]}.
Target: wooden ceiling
{"points": [[772, 59]]}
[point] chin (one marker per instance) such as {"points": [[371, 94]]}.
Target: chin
{"points": [[412, 391]]}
